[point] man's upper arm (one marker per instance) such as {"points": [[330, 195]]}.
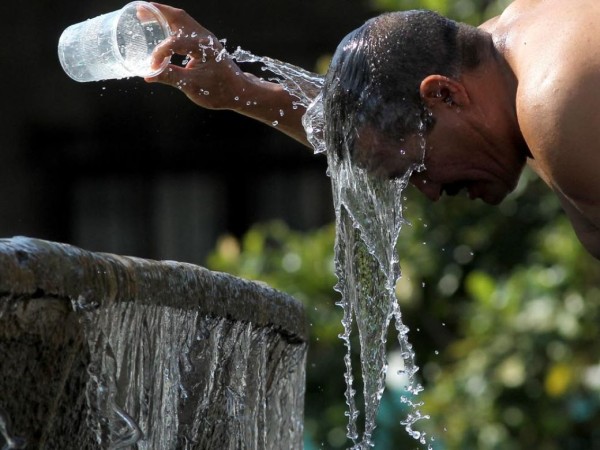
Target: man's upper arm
{"points": [[587, 232], [563, 133]]}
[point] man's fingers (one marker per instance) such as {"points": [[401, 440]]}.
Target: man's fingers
{"points": [[188, 38], [180, 21], [190, 44], [172, 75]]}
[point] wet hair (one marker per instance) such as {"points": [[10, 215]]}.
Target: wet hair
{"points": [[376, 72]]}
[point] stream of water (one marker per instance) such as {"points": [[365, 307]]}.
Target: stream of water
{"points": [[369, 218], [166, 376]]}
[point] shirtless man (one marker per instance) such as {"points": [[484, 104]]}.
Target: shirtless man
{"points": [[522, 88]]}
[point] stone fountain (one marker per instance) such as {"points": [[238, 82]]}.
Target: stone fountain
{"points": [[106, 351]]}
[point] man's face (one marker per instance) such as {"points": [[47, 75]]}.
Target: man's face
{"points": [[454, 160], [386, 158]]}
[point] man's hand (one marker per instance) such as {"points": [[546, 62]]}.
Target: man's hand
{"points": [[209, 77]]}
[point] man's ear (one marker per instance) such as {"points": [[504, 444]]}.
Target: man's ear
{"points": [[438, 90]]}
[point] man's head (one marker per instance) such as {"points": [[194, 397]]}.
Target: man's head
{"points": [[384, 84]]}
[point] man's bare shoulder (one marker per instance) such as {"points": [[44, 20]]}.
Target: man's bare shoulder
{"points": [[553, 48], [560, 122], [555, 54], [540, 36], [559, 118]]}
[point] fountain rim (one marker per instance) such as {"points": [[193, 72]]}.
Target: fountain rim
{"points": [[29, 269]]}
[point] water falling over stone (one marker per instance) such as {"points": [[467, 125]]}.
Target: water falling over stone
{"points": [[106, 351]]}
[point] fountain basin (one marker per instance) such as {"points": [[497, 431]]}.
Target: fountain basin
{"points": [[107, 351]]}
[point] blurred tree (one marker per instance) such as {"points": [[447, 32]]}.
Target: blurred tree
{"points": [[503, 305], [468, 11]]}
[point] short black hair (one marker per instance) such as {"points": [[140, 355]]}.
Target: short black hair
{"points": [[376, 72]]}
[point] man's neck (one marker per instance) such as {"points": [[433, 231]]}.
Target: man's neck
{"points": [[497, 84]]}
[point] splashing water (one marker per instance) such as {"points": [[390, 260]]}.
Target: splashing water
{"points": [[117, 366], [302, 84], [298, 82], [368, 223], [369, 220], [7, 440], [167, 375]]}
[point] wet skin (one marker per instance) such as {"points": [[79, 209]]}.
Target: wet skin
{"points": [[535, 102], [465, 151], [475, 143], [438, 167], [522, 106]]}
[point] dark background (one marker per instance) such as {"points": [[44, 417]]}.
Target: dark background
{"points": [[126, 167]]}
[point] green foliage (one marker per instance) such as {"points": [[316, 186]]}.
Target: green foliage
{"points": [[469, 11], [503, 304], [510, 301]]}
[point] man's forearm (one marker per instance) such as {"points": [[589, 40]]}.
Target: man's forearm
{"points": [[271, 104], [214, 81]]}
